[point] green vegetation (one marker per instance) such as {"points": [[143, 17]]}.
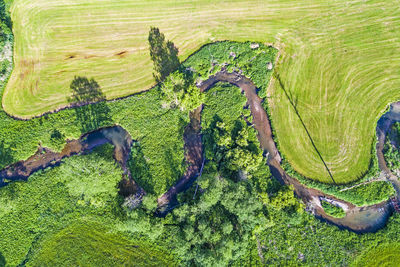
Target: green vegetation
{"points": [[159, 130], [83, 185], [82, 188], [179, 90], [385, 255], [319, 64], [391, 150], [235, 214], [233, 147], [300, 239], [90, 244], [214, 229], [358, 193], [79, 188], [333, 210], [220, 216]]}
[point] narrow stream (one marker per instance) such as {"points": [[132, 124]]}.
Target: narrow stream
{"points": [[44, 158]]}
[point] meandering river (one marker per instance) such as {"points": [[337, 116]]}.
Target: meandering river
{"points": [[358, 219]]}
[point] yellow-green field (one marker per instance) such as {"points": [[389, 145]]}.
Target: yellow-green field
{"points": [[339, 59]]}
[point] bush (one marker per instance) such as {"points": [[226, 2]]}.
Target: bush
{"points": [[333, 210]]}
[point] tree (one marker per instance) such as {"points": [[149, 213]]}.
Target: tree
{"points": [[179, 91], [215, 229], [234, 149], [164, 54], [286, 200]]}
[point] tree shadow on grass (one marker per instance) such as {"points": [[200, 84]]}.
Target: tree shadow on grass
{"points": [[173, 171], [2, 260], [139, 168], [89, 116], [6, 155]]}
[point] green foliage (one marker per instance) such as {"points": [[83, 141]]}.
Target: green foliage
{"points": [[158, 130], [215, 229], [139, 168], [4, 15], [223, 101], [180, 91], [363, 195], [4, 67], [82, 187], [234, 56], [384, 255], [86, 243], [286, 200], [234, 147], [333, 210], [391, 150], [303, 240], [219, 223], [368, 193], [163, 53]]}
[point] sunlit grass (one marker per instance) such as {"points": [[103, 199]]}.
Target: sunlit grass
{"points": [[339, 60]]}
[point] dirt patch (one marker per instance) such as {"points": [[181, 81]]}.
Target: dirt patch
{"points": [[71, 56], [122, 54]]}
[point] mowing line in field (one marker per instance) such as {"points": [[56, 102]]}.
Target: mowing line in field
{"points": [[302, 122]]}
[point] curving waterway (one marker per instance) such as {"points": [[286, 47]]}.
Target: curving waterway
{"points": [[358, 219]]}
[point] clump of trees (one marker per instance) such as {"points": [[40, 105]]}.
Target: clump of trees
{"points": [[233, 148], [217, 228], [179, 91], [178, 88], [233, 201], [163, 53]]}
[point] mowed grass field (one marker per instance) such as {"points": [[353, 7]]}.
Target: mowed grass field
{"points": [[339, 62]]}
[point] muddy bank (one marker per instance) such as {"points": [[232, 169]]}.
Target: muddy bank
{"points": [[44, 158]]}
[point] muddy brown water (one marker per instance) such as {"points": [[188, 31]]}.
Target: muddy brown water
{"points": [[358, 219]]}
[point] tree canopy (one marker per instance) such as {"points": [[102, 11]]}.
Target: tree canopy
{"points": [[179, 91]]}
